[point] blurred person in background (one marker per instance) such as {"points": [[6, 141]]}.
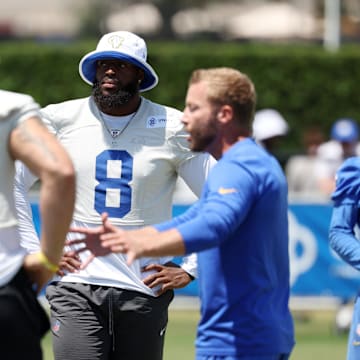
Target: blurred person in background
{"points": [[128, 153], [343, 235], [301, 169], [23, 321], [343, 143], [269, 130]]}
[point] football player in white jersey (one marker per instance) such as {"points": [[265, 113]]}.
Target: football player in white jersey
{"points": [[23, 321], [128, 153]]}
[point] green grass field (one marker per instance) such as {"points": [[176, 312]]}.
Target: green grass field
{"points": [[315, 337]]}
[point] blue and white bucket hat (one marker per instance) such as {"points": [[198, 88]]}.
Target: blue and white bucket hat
{"points": [[119, 45]]}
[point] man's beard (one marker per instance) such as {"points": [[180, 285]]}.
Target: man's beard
{"points": [[203, 138], [121, 97]]}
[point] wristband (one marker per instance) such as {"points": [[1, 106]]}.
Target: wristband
{"points": [[46, 262]]}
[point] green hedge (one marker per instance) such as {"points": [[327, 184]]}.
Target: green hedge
{"points": [[305, 83]]}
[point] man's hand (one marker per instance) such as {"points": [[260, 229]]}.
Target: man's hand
{"points": [[69, 262], [169, 277], [91, 242], [137, 243]]}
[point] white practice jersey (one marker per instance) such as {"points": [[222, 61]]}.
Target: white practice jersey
{"points": [[14, 109], [130, 173]]}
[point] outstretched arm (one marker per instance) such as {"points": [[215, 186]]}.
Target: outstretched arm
{"points": [[135, 243], [169, 275]]}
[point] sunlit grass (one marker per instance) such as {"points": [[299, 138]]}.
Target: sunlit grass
{"points": [[315, 337]]}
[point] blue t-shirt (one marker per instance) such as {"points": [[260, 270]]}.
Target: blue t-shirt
{"points": [[239, 227]]}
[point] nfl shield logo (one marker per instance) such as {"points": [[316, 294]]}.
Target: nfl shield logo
{"points": [[56, 326], [115, 133]]}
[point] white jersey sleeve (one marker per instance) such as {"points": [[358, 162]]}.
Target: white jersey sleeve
{"points": [[189, 264], [23, 181], [195, 171]]}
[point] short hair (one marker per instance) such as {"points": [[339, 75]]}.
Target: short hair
{"points": [[228, 86]]}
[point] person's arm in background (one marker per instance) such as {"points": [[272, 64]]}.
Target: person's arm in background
{"points": [[31, 143], [342, 235]]}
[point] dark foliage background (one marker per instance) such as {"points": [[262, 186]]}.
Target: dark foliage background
{"points": [[308, 85]]}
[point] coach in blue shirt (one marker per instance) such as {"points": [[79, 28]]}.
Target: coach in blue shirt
{"points": [[239, 227]]}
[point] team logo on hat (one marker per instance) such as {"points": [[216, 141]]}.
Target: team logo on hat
{"points": [[115, 41]]}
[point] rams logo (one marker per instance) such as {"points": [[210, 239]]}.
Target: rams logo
{"points": [[152, 121], [115, 41], [156, 122]]}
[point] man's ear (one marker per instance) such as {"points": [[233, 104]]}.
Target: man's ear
{"points": [[225, 113]]}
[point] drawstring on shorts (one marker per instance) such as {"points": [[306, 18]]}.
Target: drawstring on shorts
{"points": [[111, 318]]}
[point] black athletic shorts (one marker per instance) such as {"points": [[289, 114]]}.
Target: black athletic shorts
{"points": [[23, 321]]}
